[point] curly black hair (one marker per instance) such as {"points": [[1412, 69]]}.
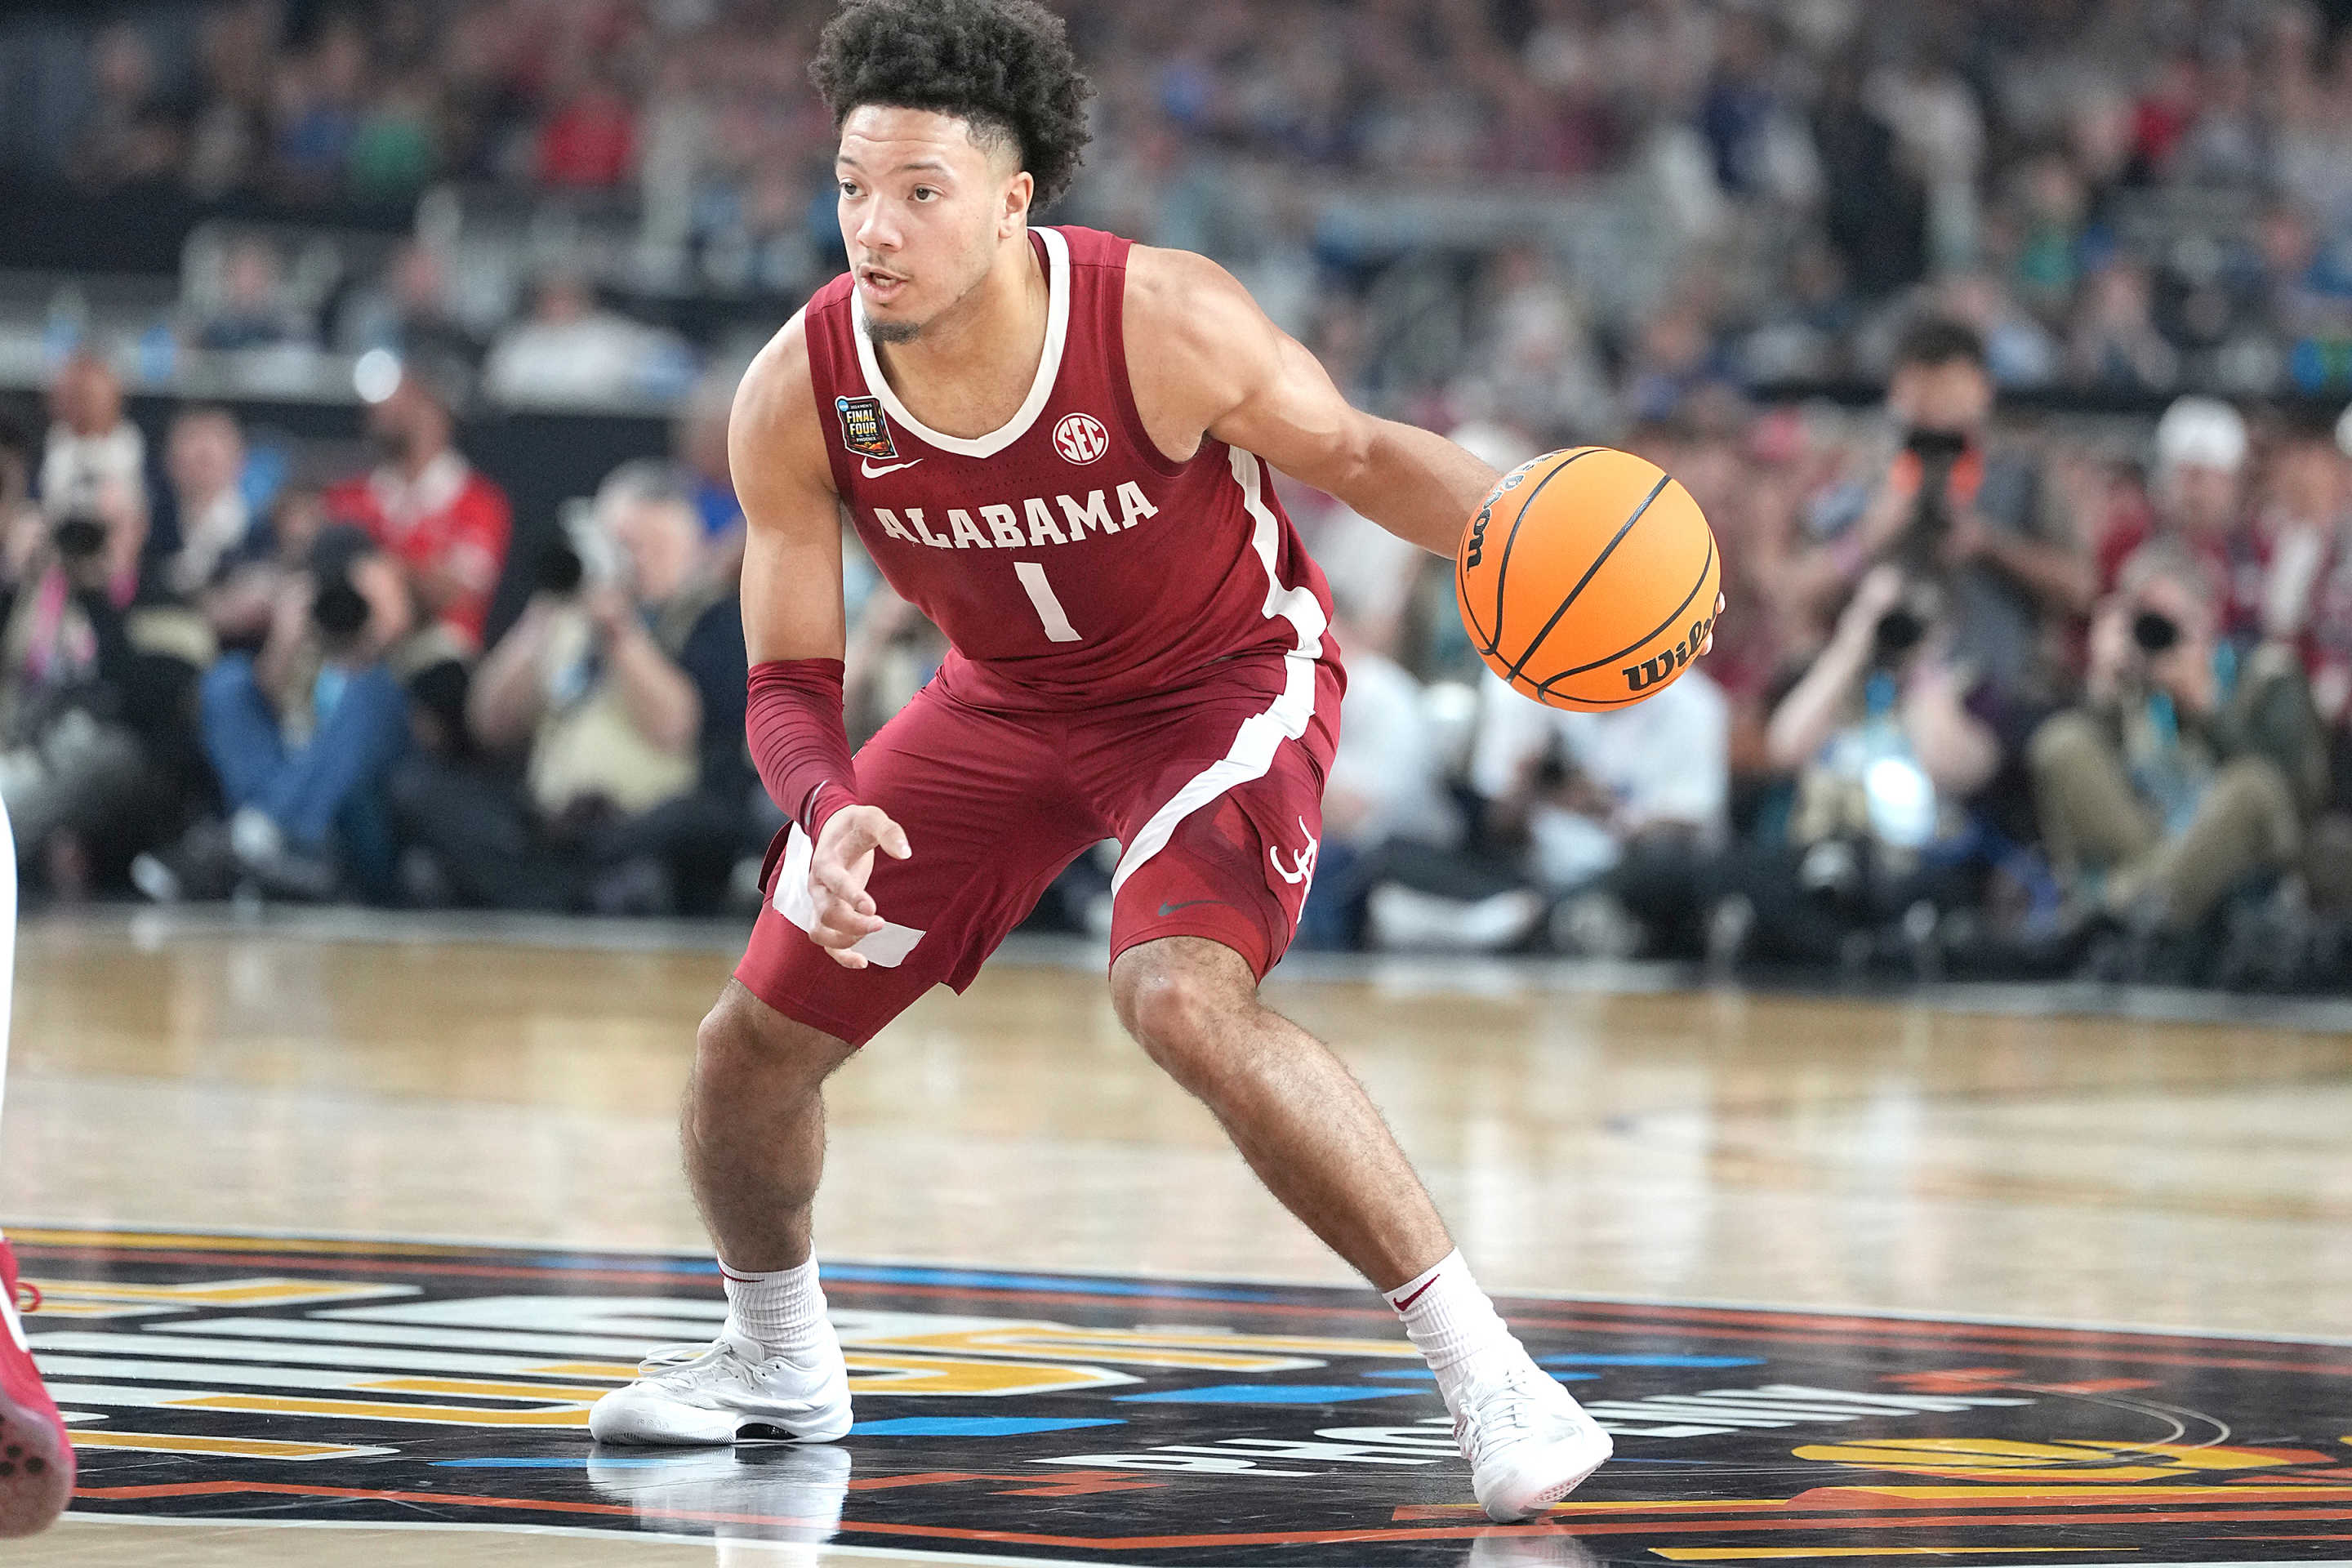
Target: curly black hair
{"points": [[1004, 67]]}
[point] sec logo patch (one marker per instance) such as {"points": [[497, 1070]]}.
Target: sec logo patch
{"points": [[1081, 438]]}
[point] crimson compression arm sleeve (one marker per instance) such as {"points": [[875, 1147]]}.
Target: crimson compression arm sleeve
{"points": [[793, 721]]}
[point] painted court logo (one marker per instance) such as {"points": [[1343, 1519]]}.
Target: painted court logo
{"points": [[1081, 438], [1092, 1419]]}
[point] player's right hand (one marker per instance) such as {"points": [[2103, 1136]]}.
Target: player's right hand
{"points": [[838, 870]]}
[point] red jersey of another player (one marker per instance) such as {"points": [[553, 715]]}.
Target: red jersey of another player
{"points": [[1068, 561]]}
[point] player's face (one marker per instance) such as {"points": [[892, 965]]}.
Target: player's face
{"points": [[924, 208]]}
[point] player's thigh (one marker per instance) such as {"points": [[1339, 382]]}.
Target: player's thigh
{"points": [[989, 821], [1221, 841]]}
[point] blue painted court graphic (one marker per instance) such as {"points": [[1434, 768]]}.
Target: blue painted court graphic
{"points": [[1265, 1394], [973, 1426]]}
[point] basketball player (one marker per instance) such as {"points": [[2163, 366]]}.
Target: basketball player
{"points": [[1057, 444], [37, 1457]]}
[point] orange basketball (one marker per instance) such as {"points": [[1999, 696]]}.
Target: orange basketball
{"points": [[1587, 578]]}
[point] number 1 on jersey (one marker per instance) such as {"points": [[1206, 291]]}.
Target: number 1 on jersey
{"points": [[1049, 608]]}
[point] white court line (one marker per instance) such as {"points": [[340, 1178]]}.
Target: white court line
{"points": [[829, 1549]]}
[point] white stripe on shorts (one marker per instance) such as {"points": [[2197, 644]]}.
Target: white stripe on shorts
{"points": [[1261, 735]]}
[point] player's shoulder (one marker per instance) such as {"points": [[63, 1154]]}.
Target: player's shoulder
{"points": [[776, 403], [1178, 300]]}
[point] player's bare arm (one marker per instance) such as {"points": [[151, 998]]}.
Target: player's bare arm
{"points": [[793, 606], [1204, 359]]}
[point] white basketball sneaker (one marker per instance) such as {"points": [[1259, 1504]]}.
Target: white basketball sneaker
{"points": [[729, 1391], [1529, 1442]]}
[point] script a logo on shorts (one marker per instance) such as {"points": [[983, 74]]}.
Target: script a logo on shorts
{"points": [[1655, 671], [863, 429], [1081, 438], [1300, 872]]}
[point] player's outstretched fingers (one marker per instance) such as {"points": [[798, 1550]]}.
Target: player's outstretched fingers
{"points": [[1709, 646], [846, 912]]}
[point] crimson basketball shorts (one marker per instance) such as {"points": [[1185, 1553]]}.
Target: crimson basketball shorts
{"points": [[1214, 793]]}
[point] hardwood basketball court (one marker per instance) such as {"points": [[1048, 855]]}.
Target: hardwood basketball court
{"points": [[428, 1151]]}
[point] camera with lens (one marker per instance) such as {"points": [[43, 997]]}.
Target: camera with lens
{"points": [[2154, 632], [79, 536], [1938, 453], [1906, 624], [340, 611]]}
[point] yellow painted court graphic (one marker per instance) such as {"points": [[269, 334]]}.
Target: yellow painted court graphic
{"points": [[85, 1298], [2087, 1460]]}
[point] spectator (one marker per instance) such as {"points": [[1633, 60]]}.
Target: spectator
{"points": [[209, 524], [95, 465], [2198, 501], [590, 141], [1387, 799], [315, 107], [129, 135], [1604, 826], [698, 441], [251, 310], [410, 312], [2158, 794], [623, 689], [1887, 755], [2115, 343], [571, 351], [240, 599], [447, 524], [93, 733], [302, 736], [1956, 504]]}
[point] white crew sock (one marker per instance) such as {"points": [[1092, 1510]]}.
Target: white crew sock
{"points": [[782, 1310], [1451, 1323]]}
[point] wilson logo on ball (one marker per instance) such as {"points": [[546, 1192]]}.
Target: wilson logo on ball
{"points": [[1081, 438], [1650, 672]]}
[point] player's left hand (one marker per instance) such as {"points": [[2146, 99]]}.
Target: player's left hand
{"points": [[838, 870]]}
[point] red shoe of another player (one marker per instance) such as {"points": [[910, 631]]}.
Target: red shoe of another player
{"points": [[37, 1457]]}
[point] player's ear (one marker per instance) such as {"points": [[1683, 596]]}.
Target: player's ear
{"points": [[1014, 215]]}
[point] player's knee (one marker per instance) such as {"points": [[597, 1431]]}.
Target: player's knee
{"points": [[742, 1039], [1176, 1013]]}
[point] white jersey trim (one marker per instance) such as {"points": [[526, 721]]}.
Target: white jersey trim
{"points": [[888, 947], [1261, 735], [1049, 362]]}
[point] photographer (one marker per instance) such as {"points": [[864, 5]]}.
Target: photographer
{"points": [[446, 522], [620, 692], [72, 766], [2171, 783], [303, 734], [1893, 758], [1953, 506]]}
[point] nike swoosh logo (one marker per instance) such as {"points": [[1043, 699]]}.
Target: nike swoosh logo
{"points": [[1416, 1296], [1167, 910], [871, 472]]}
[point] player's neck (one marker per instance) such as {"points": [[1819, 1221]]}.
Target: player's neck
{"points": [[971, 366]]}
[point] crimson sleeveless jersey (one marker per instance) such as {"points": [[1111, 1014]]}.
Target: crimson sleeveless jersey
{"points": [[1068, 560]]}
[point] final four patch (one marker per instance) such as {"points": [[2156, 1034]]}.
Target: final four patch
{"points": [[1177, 1424], [863, 429]]}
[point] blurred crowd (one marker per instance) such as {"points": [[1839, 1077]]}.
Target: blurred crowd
{"points": [[217, 680], [1987, 697], [2002, 689], [2138, 196]]}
